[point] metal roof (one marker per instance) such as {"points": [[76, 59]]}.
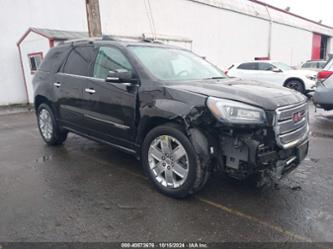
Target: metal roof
{"points": [[265, 11], [60, 34], [55, 34]]}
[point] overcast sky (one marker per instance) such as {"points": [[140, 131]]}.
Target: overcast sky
{"points": [[312, 9]]}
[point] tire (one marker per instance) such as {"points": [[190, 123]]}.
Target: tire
{"points": [[296, 85], [48, 127], [160, 163]]}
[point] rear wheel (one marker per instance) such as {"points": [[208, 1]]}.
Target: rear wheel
{"points": [[296, 85], [171, 162], [48, 126]]}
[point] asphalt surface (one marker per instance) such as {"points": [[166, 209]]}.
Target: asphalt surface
{"points": [[85, 191]]}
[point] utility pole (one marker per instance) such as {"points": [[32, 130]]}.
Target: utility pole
{"points": [[94, 18]]}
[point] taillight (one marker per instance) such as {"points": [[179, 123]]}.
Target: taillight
{"points": [[323, 75]]}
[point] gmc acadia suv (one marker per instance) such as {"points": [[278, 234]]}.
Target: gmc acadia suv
{"points": [[172, 109]]}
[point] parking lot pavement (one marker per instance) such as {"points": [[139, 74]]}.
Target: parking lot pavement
{"points": [[84, 191]]}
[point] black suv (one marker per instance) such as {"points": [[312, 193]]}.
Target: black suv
{"points": [[174, 110]]}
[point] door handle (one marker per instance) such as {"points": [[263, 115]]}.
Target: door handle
{"points": [[90, 90], [57, 84]]}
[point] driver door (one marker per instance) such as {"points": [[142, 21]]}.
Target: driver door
{"points": [[110, 108]]}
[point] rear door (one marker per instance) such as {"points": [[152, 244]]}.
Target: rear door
{"points": [[69, 84], [110, 108]]}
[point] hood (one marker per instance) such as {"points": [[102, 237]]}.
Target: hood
{"points": [[264, 95]]}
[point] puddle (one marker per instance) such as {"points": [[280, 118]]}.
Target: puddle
{"points": [[44, 159]]}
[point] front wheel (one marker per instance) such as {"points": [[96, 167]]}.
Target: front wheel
{"points": [[171, 162], [48, 126]]}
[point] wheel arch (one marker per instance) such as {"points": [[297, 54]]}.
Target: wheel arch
{"points": [[39, 99], [150, 123], [293, 78]]}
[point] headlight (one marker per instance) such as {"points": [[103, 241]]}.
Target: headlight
{"points": [[235, 112], [311, 77]]}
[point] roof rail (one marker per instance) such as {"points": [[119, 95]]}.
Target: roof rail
{"points": [[73, 41], [143, 38], [127, 37]]}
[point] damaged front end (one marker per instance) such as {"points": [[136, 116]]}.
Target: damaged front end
{"points": [[267, 145]]}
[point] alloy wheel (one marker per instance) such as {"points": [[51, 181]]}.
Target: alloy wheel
{"points": [[45, 124], [168, 161]]}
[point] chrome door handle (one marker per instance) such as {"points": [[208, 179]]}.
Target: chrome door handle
{"points": [[90, 90], [57, 84]]}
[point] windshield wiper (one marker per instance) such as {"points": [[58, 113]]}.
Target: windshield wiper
{"points": [[215, 78]]}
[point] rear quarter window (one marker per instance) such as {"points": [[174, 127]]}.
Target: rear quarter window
{"points": [[54, 59]]}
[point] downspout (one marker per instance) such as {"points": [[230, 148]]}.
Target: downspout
{"points": [[269, 33]]}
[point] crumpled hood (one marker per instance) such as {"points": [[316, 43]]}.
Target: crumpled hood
{"points": [[264, 95]]}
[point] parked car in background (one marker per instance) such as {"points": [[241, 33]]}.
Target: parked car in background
{"points": [[177, 112], [323, 96], [326, 72], [275, 72], [315, 65]]}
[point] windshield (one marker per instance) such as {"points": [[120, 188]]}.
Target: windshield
{"points": [[175, 64], [282, 66]]}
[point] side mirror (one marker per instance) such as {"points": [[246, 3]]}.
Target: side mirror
{"points": [[276, 70], [121, 76]]}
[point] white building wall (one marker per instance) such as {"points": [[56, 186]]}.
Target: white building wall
{"points": [[16, 16], [291, 45], [219, 32], [33, 43], [222, 36]]}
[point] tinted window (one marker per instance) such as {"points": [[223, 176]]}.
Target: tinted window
{"points": [[79, 61], [110, 59], [248, 66], [265, 66], [307, 65], [54, 59]]}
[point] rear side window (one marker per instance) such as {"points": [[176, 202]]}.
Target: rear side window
{"points": [[248, 66], [54, 59], [79, 61], [110, 59]]}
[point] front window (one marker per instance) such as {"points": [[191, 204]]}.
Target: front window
{"points": [[265, 66], [282, 66], [110, 59], [175, 64]]}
